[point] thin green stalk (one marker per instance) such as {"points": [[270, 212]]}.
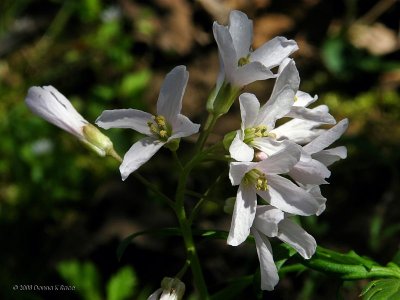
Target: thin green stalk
{"points": [[211, 120], [155, 189]]}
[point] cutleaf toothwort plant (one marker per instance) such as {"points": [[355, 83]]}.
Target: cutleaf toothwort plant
{"points": [[278, 157]]}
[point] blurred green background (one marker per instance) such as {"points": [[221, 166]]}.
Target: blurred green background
{"points": [[63, 210]]}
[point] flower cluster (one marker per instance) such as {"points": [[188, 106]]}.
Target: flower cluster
{"points": [[278, 166]]}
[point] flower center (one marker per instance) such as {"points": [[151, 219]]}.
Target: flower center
{"points": [[254, 132], [257, 178], [244, 60], [160, 128]]}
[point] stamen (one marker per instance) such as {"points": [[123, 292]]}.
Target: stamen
{"points": [[160, 128], [257, 178], [244, 60]]}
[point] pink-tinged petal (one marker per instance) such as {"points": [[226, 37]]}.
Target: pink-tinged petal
{"points": [[249, 107], [282, 161], [297, 237], [240, 151], [243, 215], [52, 106], [282, 97], [310, 114], [285, 195], [237, 170], [268, 270], [310, 171], [269, 146], [267, 219], [241, 30], [226, 50], [125, 118], [326, 138], [329, 156], [169, 103], [249, 73], [272, 53], [303, 99], [183, 127], [138, 154]]}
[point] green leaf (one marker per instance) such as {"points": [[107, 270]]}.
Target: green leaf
{"points": [[83, 276], [382, 289], [122, 285]]}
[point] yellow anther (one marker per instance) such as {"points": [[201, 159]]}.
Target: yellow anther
{"points": [[163, 134], [244, 60], [161, 122], [256, 178], [295, 98]]}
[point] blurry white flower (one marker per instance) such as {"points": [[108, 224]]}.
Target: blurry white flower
{"points": [[239, 64], [167, 125], [272, 222], [171, 289], [261, 178], [48, 103]]}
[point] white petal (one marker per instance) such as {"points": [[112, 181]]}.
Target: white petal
{"points": [[285, 195], [249, 107], [315, 191], [310, 114], [155, 295], [268, 145], [125, 118], [249, 73], [237, 170], [329, 156], [282, 161], [243, 215], [52, 106], [310, 172], [240, 151], [282, 97], [183, 127], [297, 237], [169, 103], [269, 272], [326, 138], [298, 131], [241, 30], [226, 50], [138, 154], [273, 52], [304, 99], [267, 219]]}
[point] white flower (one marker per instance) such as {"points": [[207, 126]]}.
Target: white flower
{"points": [[262, 179], [51, 105], [239, 64], [272, 222], [48, 103], [312, 166], [167, 125], [258, 123], [171, 289]]}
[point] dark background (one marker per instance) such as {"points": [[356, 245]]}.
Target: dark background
{"points": [[64, 211]]}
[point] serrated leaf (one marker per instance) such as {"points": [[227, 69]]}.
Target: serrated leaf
{"points": [[122, 284], [382, 289]]}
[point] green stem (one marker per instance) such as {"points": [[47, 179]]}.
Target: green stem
{"points": [[155, 189], [186, 227], [211, 120]]}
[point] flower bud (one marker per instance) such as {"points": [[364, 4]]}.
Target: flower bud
{"points": [[221, 100], [171, 289]]}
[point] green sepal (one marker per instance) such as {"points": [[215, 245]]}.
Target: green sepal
{"points": [[228, 138], [173, 145]]}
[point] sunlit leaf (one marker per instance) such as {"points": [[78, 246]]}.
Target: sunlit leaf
{"points": [[382, 289], [121, 285]]}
